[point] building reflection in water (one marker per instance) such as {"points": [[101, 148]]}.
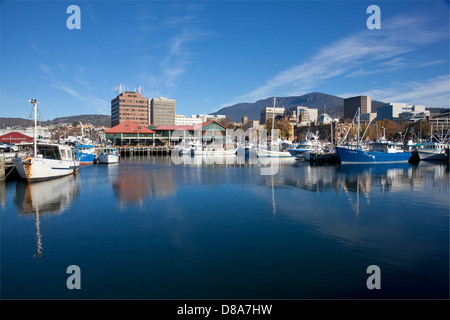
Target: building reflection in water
{"points": [[45, 198], [137, 181]]}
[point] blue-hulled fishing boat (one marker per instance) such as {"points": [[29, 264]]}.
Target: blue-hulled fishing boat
{"points": [[86, 154]]}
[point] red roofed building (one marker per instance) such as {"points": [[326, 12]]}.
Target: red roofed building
{"points": [[15, 138], [130, 133]]}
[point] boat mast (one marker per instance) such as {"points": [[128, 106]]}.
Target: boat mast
{"points": [[359, 114], [35, 103], [331, 129], [273, 123]]}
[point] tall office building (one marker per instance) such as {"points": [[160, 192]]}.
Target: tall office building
{"points": [[162, 111], [130, 106], [352, 104]]}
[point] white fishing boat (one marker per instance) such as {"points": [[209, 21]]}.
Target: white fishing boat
{"points": [[48, 160], [310, 145], [182, 150], [210, 150], [109, 155], [273, 153], [213, 151], [435, 148], [432, 151]]}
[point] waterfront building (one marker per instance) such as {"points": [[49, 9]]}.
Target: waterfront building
{"points": [[414, 116], [269, 112], [352, 104], [392, 111], [181, 120], [162, 111], [440, 121], [209, 132], [130, 133], [130, 106]]}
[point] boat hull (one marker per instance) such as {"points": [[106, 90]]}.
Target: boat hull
{"points": [[108, 158], [86, 158], [275, 154], [433, 155], [37, 169], [213, 152], [355, 156]]}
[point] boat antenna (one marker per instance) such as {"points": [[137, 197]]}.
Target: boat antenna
{"points": [[35, 103]]}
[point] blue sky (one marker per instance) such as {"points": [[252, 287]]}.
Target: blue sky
{"points": [[211, 54]]}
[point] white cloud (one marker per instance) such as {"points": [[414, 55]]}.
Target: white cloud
{"points": [[355, 55], [431, 93], [179, 55], [90, 100]]}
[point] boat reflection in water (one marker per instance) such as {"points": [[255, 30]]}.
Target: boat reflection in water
{"points": [[360, 181], [45, 198]]}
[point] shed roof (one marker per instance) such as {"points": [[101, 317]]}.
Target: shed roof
{"points": [[129, 127], [15, 137]]}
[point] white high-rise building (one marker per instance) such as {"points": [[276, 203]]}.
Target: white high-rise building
{"points": [[190, 121], [306, 115]]}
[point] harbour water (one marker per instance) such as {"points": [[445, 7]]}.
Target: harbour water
{"points": [[147, 228]]}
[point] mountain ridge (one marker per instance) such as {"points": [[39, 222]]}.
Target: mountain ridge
{"points": [[325, 103], [94, 119]]}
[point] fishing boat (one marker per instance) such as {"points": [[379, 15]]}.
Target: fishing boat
{"points": [[86, 154], [313, 149], [109, 155], [182, 150], [432, 151], [381, 151], [384, 153], [212, 151], [196, 149], [47, 161], [274, 149], [274, 153]]}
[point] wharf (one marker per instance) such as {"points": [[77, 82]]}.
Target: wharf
{"points": [[6, 162]]}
